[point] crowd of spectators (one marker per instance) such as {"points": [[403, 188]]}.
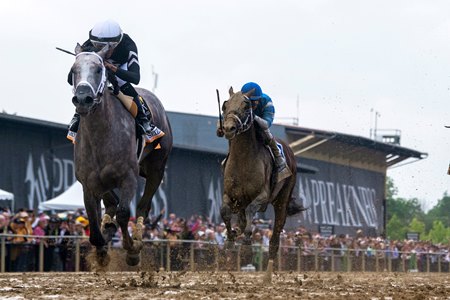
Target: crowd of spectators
{"points": [[180, 232]]}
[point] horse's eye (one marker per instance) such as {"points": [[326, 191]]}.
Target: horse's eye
{"points": [[246, 105], [99, 70]]}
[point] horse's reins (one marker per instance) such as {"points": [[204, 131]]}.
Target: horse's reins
{"points": [[101, 86]]}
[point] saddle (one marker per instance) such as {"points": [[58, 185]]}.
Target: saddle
{"points": [[129, 104]]}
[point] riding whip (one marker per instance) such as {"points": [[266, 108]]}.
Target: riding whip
{"points": [[220, 114], [65, 51]]}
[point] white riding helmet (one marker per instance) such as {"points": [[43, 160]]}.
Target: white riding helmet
{"points": [[105, 32]]}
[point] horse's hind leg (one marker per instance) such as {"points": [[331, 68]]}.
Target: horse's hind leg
{"points": [[154, 175], [280, 208]]}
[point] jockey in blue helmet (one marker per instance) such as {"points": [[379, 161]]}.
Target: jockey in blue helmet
{"points": [[122, 61], [264, 112]]}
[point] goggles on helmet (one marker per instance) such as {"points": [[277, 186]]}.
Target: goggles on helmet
{"points": [[100, 42]]}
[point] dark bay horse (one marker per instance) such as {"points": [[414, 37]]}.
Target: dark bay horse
{"points": [[106, 160], [249, 185]]}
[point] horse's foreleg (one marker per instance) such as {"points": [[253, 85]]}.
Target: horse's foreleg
{"points": [[127, 191], [250, 212], [93, 209], [225, 212], [109, 225]]}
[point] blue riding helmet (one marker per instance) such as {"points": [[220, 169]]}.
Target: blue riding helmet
{"points": [[251, 85]]}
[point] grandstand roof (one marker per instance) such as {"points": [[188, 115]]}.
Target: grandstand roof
{"points": [[198, 133]]}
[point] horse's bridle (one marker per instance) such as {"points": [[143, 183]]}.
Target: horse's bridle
{"points": [[97, 93], [242, 126]]}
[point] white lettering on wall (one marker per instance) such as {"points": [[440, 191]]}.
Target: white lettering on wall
{"points": [[37, 177], [214, 200], [338, 204]]}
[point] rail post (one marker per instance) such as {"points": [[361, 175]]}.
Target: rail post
{"points": [[77, 255], [316, 260], [168, 257], [191, 257], [41, 255], [238, 260], [259, 249], [428, 262], [216, 257], [332, 260], [439, 263], [377, 261], [363, 262], [349, 263], [3, 255], [279, 259], [299, 258], [390, 262]]}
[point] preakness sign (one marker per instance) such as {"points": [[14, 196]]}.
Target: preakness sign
{"points": [[37, 165], [346, 197]]}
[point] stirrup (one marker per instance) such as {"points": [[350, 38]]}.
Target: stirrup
{"points": [[283, 173], [153, 135], [71, 135]]}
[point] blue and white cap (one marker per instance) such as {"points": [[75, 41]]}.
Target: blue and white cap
{"points": [[257, 93]]}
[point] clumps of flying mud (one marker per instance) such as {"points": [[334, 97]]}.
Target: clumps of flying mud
{"points": [[116, 262]]}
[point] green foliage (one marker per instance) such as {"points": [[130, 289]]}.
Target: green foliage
{"points": [[417, 226], [395, 229], [439, 234], [441, 211], [391, 189], [405, 215], [405, 209]]}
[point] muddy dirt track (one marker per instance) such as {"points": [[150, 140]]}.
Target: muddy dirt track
{"points": [[223, 285]]}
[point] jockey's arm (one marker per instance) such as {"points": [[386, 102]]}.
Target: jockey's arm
{"points": [[132, 75], [268, 113], [132, 72]]}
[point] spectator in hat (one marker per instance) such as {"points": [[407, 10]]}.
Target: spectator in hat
{"points": [[51, 250], [20, 250]]}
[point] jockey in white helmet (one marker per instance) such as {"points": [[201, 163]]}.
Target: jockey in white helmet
{"points": [[123, 62]]}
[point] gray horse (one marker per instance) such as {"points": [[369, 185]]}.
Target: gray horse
{"points": [[249, 182], [106, 160]]}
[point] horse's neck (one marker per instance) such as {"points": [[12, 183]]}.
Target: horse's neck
{"points": [[245, 144], [101, 121]]}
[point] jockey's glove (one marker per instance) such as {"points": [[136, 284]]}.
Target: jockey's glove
{"points": [[219, 132]]}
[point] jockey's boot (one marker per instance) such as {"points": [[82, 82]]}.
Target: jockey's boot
{"points": [[73, 128], [149, 130], [280, 163]]}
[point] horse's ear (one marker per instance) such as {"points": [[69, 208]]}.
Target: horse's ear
{"points": [[104, 50], [230, 91], [78, 49], [249, 93]]}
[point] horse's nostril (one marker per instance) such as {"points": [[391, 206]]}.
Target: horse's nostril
{"points": [[232, 128], [89, 100], [75, 99]]}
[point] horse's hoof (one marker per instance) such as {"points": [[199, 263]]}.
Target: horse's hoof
{"points": [[103, 259], [137, 246], [132, 259]]}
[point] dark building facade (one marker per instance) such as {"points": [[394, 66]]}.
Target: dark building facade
{"points": [[341, 177]]}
